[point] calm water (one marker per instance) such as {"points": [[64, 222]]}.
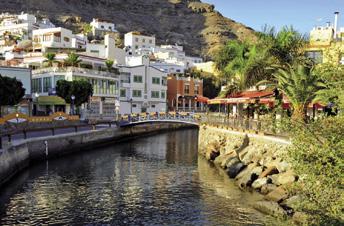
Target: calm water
{"points": [[157, 180]]}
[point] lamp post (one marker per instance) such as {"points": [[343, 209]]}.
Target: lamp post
{"points": [[72, 107], [131, 105], [36, 95]]}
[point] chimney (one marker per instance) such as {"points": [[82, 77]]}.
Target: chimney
{"points": [[336, 14]]}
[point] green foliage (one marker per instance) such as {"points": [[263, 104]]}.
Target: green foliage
{"points": [[50, 58], [109, 63], [11, 91], [86, 29], [301, 85], [317, 154], [81, 89], [333, 76], [243, 64], [72, 60]]}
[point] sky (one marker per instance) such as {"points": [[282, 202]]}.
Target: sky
{"points": [[303, 15]]}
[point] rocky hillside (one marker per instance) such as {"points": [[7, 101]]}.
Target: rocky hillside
{"points": [[196, 25]]}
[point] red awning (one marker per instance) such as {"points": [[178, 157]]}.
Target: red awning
{"points": [[242, 97], [202, 99]]}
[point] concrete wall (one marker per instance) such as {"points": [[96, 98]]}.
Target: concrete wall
{"points": [[17, 157]]}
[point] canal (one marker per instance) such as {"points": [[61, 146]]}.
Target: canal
{"points": [[157, 180]]}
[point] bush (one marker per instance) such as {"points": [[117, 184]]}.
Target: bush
{"points": [[316, 154]]}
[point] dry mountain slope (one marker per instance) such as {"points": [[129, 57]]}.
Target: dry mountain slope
{"points": [[196, 25]]}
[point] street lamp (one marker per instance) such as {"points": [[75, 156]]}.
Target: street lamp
{"points": [[36, 95], [72, 107], [131, 105]]}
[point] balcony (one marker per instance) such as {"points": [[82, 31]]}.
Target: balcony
{"points": [[76, 70]]}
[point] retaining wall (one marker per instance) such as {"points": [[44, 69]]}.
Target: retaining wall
{"points": [[17, 157]]}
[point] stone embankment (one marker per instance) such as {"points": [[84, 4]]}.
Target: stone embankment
{"points": [[255, 163], [15, 158]]}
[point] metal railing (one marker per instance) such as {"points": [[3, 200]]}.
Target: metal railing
{"points": [[263, 125], [78, 70], [159, 116]]}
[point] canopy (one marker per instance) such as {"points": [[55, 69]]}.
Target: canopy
{"points": [[50, 100], [202, 99], [242, 97]]}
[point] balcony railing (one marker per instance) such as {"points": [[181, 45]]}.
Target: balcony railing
{"points": [[77, 70]]}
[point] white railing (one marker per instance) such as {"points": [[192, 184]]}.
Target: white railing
{"points": [[74, 70]]}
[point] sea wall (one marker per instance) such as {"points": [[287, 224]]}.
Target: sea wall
{"points": [[255, 162], [17, 157]]}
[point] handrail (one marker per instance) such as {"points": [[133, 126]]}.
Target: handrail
{"points": [[75, 70]]}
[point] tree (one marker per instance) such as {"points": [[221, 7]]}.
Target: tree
{"points": [[301, 85], [86, 29], [72, 60], [50, 59], [11, 91], [81, 89], [243, 64], [109, 63]]}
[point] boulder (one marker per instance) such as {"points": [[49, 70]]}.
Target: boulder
{"points": [[282, 166], [292, 201], [212, 154], [259, 183], [248, 175], [267, 188], [268, 171], [277, 195], [235, 169], [227, 160], [283, 178], [269, 207]]}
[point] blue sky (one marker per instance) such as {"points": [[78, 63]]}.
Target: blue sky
{"points": [[302, 14]]}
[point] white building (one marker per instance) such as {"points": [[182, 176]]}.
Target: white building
{"points": [[137, 41], [59, 37], [100, 27], [22, 25], [142, 89], [107, 50], [105, 90]]}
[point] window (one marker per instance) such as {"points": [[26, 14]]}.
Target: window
{"points": [[187, 89], [164, 81], [102, 27], [150, 41], [163, 95], [156, 80], [136, 39], [123, 93], [138, 78], [153, 106], [37, 85], [155, 94], [317, 56], [136, 47], [66, 39], [196, 89], [110, 28], [143, 40], [137, 93], [134, 105], [94, 51], [46, 84]]}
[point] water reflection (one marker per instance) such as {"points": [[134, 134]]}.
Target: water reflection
{"points": [[151, 181]]}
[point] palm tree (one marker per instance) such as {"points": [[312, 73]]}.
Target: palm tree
{"points": [[109, 63], [72, 60], [244, 64], [301, 85], [50, 59]]}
